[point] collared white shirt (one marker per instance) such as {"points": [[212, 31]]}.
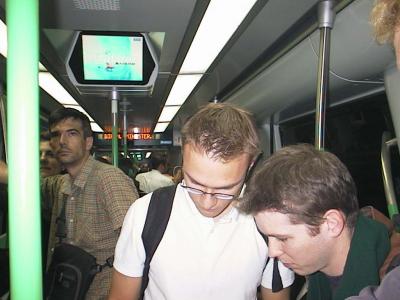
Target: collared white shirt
{"points": [[198, 257]]}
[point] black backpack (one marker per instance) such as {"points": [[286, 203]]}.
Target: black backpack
{"points": [[157, 218]]}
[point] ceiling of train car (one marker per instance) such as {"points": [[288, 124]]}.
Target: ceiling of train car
{"points": [[168, 22], [172, 25], [269, 27]]}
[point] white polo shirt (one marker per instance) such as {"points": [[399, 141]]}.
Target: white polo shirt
{"points": [[152, 180], [198, 257]]}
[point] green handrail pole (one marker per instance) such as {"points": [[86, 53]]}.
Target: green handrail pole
{"points": [[114, 115], [23, 149], [125, 133]]}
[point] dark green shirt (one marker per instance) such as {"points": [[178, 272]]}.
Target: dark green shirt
{"points": [[368, 250]]}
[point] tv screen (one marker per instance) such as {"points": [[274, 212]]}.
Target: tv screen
{"points": [[111, 58]]}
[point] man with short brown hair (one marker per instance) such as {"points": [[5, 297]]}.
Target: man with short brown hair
{"points": [[305, 201]]}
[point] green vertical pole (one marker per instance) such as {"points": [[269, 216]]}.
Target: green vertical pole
{"points": [[23, 149], [115, 145], [124, 135], [114, 115]]}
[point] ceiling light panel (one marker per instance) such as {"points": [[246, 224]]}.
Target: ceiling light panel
{"points": [[96, 127], [55, 89], [48, 83], [212, 34], [183, 86], [168, 113], [160, 127], [3, 39]]}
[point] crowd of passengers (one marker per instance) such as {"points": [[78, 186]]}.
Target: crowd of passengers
{"points": [[299, 213], [229, 232], [148, 176]]}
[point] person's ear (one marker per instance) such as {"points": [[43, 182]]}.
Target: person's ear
{"points": [[335, 222], [89, 143]]}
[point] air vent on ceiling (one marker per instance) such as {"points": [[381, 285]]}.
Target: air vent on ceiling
{"points": [[97, 4]]}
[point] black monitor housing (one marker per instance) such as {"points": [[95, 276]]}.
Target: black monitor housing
{"points": [[100, 62]]}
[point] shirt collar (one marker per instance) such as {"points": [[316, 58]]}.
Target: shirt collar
{"points": [[80, 180], [230, 215]]}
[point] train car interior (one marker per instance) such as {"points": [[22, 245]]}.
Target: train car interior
{"points": [[262, 55]]}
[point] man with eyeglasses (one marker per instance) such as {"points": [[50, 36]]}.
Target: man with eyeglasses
{"points": [[305, 201], [209, 250]]}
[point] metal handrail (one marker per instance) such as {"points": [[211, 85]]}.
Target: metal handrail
{"points": [[326, 17], [387, 143]]}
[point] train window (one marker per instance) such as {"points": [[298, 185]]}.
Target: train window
{"points": [[353, 133]]}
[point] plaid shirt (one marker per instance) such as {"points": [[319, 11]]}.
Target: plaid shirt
{"points": [[97, 201]]}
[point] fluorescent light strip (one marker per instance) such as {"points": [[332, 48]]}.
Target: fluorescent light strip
{"points": [[96, 127], [213, 34], [168, 113], [3, 39], [160, 127], [55, 89], [210, 38], [183, 86], [48, 82]]}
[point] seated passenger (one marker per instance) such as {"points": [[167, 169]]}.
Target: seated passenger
{"points": [[154, 179], [305, 201]]}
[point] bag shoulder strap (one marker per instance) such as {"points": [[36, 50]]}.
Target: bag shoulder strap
{"points": [[61, 229], [61, 233], [157, 218]]}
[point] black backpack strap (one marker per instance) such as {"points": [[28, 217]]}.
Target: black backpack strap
{"points": [[156, 222], [61, 228], [276, 276]]}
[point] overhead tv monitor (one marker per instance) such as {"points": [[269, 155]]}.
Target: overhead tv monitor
{"points": [[112, 59], [108, 57]]}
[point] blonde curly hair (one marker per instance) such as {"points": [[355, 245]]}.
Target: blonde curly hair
{"points": [[385, 19]]}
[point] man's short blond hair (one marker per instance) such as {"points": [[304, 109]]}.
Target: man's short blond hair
{"points": [[222, 131]]}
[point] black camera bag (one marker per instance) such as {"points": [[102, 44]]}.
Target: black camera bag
{"points": [[70, 274]]}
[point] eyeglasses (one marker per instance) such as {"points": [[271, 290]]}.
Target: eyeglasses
{"points": [[197, 192]]}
